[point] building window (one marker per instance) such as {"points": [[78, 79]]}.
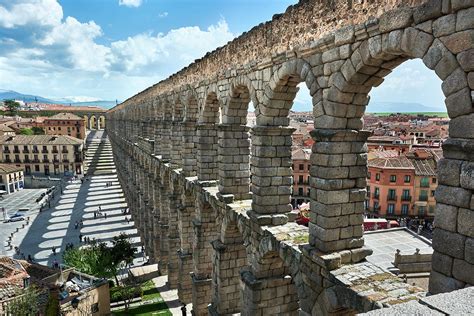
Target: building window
{"points": [[423, 195], [377, 177], [392, 195], [393, 178], [301, 167], [37, 168], [300, 179], [433, 180], [432, 192], [404, 209], [391, 209], [406, 195], [376, 193], [300, 191], [368, 175], [421, 210], [425, 182], [407, 179], [368, 191]]}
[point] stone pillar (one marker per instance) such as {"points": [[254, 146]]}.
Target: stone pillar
{"points": [[158, 126], [229, 259], [207, 152], [270, 166], [165, 141], [176, 144], [156, 222], [189, 154], [174, 241], [268, 295], [205, 231], [453, 237], [164, 228], [185, 217], [234, 167], [338, 189]]}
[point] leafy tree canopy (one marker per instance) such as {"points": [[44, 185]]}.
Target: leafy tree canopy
{"points": [[26, 131], [11, 106]]}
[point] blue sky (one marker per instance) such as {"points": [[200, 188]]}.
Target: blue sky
{"points": [[85, 50]]}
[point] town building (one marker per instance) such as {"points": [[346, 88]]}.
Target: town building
{"points": [[43, 154], [65, 124], [390, 187], [6, 130], [403, 186], [301, 166], [11, 178]]}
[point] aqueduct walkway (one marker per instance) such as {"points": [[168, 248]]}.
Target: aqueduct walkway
{"points": [[211, 196]]}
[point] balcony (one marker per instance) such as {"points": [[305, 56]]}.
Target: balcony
{"points": [[27, 160], [55, 151], [16, 151], [46, 160], [66, 160], [424, 184], [55, 160], [423, 198], [35, 151], [36, 160], [6, 150], [17, 160], [44, 151], [376, 196], [391, 197], [8, 160], [406, 198], [26, 151], [65, 151]]}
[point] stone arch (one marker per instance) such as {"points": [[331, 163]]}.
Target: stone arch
{"points": [[211, 109], [268, 286], [178, 109], [281, 91], [345, 101], [86, 122], [241, 92], [229, 258], [191, 106]]}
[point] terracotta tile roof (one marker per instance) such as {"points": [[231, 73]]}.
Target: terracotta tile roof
{"points": [[301, 154], [39, 140], [11, 277], [65, 116], [401, 162], [424, 167], [7, 168]]}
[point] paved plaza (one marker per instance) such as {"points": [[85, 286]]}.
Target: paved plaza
{"points": [[56, 227]]}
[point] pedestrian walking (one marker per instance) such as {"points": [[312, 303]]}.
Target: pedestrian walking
{"points": [[127, 219], [81, 223], [80, 238], [53, 249], [105, 215], [95, 214], [76, 224], [100, 209]]}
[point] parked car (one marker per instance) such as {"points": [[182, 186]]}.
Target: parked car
{"points": [[15, 218]]}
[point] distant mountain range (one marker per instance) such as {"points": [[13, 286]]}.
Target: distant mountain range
{"points": [[400, 107], [10, 94]]}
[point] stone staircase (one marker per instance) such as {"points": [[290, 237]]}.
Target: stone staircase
{"points": [[98, 157]]}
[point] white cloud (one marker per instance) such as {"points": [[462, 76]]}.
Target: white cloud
{"points": [[57, 55], [168, 52], [80, 98], [131, 3], [36, 12], [163, 14]]}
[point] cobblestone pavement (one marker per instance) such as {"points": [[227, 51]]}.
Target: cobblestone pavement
{"points": [[57, 226]]}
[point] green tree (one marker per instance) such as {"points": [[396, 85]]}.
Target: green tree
{"points": [[26, 131], [26, 303], [11, 106], [37, 130], [100, 260]]}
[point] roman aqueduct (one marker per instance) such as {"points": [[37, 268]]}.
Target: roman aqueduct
{"points": [[211, 196]]}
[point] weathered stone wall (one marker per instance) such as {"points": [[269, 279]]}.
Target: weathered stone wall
{"points": [[225, 175]]}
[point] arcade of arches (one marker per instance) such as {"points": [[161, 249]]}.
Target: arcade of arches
{"points": [[211, 196], [94, 121]]}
